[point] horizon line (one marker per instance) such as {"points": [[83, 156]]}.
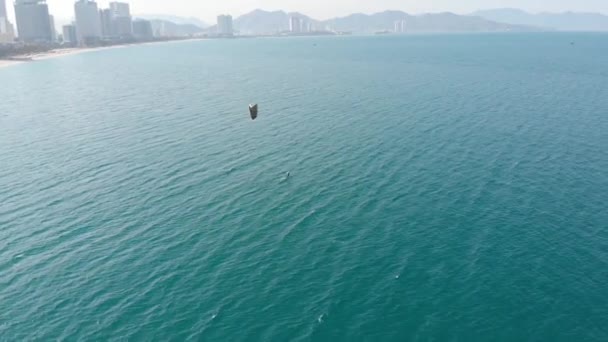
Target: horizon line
{"points": [[370, 13]]}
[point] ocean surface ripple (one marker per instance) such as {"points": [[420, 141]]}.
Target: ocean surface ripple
{"points": [[441, 188]]}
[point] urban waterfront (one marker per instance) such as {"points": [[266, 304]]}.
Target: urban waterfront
{"points": [[443, 187], [95, 27]]}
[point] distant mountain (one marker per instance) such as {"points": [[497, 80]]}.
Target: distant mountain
{"points": [[449, 22], [568, 21], [437, 22], [364, 23], [164, 28], [175, 19], [263, 22]]}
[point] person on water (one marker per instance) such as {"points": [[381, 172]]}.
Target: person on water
{"points": [[253, 111]]}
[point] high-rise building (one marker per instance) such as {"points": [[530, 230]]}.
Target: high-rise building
{"points": [[3, 9], [53, 30], [116, 21], [120, 9], [69, 35], [7, 32], [105, 18], [295, 24], [122, 23], [88, 23], [306, 26], [123, 27], [33, 21], [400, 26], [224, 25], [142, 30], [3, 25]]}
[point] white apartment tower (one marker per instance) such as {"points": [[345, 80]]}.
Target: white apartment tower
{"points": [[295, 24], [224, 25], [400, 26], [88, 22]]}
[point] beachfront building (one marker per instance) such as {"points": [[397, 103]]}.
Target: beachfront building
{"points": [[307, 26], [295, 24], [400, 26], [122, 22], [224, 25], [105, 19], [69, 35], [116, 21], [122, 27], [7, 32], [6, 28], [3, 13], [53, 30], [88, 23], [142, 30], [120, 9], [33, 21]]}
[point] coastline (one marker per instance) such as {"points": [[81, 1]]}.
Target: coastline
{"points": [[62, 52], [55, 53], [6, 63]]}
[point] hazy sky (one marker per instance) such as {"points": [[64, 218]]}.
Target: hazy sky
{"points": [[323, 9]]}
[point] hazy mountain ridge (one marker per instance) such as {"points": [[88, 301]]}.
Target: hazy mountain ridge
{"points": [[359, 22], [171, 29], [265, 22], [567, 21], [175, 19], [494, 20], [174, 26], [435, 22]]}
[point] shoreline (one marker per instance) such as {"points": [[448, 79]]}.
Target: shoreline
{"points": [[63, 52], [55, 53]]}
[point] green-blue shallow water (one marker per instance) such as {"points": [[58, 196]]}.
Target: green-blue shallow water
{"points": [[443, 188]]}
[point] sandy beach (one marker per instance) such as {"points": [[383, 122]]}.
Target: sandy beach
{"points": [[52, 54], [5, 63], [73, 51], [64, 52]]}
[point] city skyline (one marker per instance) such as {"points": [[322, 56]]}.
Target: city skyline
{"points": [[92, 25], [95, 25], [63, 9]]}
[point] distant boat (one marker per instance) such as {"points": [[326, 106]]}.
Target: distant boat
{"points": [[253, 111]]}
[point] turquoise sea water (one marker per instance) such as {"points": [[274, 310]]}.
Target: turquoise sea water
{"points": [[443, 188]]}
